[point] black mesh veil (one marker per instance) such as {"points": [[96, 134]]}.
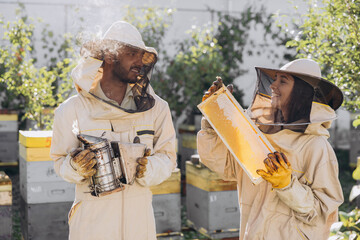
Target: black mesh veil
{"points": [[274, 108], [143, 100]]}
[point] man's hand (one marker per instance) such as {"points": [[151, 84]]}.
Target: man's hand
{"points": [[142, 162], [216, 86], [83, 161], [278, 170]]}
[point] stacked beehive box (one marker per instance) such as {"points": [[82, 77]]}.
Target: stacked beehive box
{"points": [[5, 206], [211, 203], [46, 198], [167, 207], [187, 142], [8, 139]]}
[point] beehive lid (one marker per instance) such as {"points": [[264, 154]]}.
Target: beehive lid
{"points": [[8, 117], [202, 177], [170, 185]]}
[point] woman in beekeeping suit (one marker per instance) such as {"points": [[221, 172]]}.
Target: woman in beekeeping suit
{"points": [[114, 101], [293, 107]]}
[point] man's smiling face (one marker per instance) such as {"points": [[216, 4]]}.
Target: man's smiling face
{"points": [[128, 64]]}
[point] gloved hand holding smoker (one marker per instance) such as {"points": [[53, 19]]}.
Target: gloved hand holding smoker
{"points": [[83, 161], [111, 164]]}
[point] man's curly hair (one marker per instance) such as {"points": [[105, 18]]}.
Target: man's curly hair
{"points": [[98, 49]]}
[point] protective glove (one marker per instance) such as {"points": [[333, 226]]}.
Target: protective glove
{"points": [[83, 161], [278, 170], [142, 162], [356, 173], [216, 86]]}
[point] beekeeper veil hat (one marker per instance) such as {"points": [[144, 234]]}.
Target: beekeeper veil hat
{"points": [[119, 36], [311, 99]]}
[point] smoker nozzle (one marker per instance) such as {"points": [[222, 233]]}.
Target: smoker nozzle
{"points": [[87, 139]]}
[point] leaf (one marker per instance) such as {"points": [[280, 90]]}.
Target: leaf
{"points": [[356, 123]]}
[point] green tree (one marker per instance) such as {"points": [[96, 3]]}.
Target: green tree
{"points": [[235, 41], [330, 35], [197, 62], [152, 22], [32, 90]]}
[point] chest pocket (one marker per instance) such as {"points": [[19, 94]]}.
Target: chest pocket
{"points": [[146, 134]]}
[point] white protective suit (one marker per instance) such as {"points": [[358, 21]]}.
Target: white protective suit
{"points": [[307, 207], [128, 214]]}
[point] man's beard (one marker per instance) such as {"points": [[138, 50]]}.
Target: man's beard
{"points": [[122, 74]]}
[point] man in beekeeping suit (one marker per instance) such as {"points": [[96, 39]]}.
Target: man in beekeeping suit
{"points": [[115, 101]]}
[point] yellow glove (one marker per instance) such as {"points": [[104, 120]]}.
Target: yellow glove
{"points": [[142, 162], [356, 173], [278, 170], [83, 161], [216, 86]]}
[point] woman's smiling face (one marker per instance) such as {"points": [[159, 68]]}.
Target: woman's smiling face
{"points": [[281, 90]]}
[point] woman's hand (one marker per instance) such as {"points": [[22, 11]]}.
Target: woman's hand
{"points": [[216, 86], [278, 170]]}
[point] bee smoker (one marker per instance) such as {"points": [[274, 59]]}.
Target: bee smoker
{"points": [[116, 163]]}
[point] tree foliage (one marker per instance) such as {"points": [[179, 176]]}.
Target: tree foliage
{"points": [[349, 226], [330, 35], [34, 91], [207, 51], [216, 49], [197, 62]]}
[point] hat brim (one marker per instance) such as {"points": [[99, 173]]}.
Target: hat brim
{"points": [[94, 46], [332, 93]]}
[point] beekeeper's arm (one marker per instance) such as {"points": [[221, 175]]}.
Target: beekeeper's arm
{"points": [[321, 195], [162, 161], [63, 143], [214, 154]]}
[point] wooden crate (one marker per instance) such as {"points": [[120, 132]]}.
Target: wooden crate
{"points": [[37, 171], [5, 206], [212, 205], [34, 154], [47, 192], [9, 152], [170, 185], [9, 137], [215, 214], [5, 221], [202, 177], [167, 205], [167, 212], [44, 221], [35, 139], [8, 122]]}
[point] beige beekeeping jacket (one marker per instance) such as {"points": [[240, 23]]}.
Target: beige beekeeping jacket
{"points": [[127, 214], [303, 210]]}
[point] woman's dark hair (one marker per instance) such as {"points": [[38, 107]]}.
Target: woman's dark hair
{"points": [[301, 98]]}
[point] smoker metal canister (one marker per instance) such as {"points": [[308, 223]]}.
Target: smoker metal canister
{"points": [[105, 179]]}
